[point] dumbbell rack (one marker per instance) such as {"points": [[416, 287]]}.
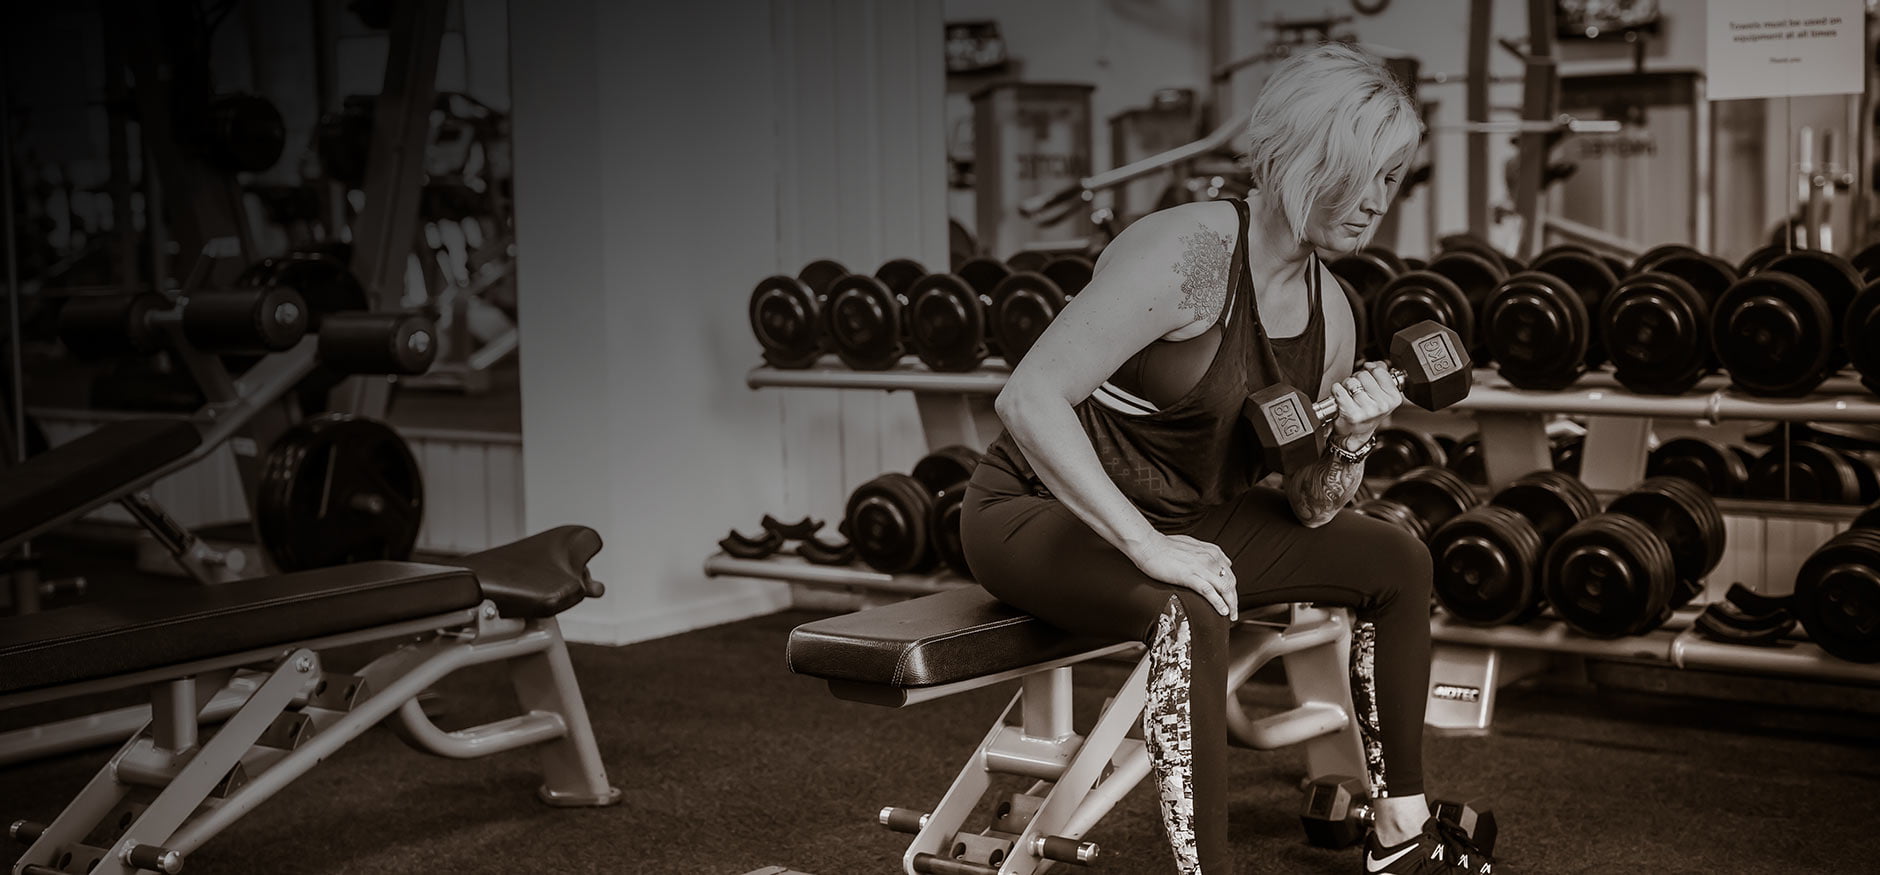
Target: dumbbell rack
{"points": [[1469, 663]]}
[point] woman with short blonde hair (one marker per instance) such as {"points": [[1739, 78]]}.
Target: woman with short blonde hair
{"points": [[1121, 501]]}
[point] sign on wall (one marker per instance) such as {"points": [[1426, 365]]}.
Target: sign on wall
{"points": [[1784, 48]]}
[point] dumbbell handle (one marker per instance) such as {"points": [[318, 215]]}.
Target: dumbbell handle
{"points": [[1323, 410]]}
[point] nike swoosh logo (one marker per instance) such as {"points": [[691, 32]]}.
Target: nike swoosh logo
{"points": [[1373, 864]]}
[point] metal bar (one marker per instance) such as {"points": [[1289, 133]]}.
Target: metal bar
{"points": [[1713, 407], [16, 374], [1540, 103], [1481, 22]]}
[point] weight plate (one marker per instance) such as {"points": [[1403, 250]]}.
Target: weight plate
{"points": [[862, 321], [1028, 261], [1830, 275], [1551, 501], [886, 521], [1536, 330], [1366, 271], [1416, 296], [1808, 471], [1865, 473], [900, 274], [1684, 518], [820, 274], [1390, 259], [337, 489], [786, 318], [945, 467], [1867, 261], [1469, 244], [947, 323], [1396, 514], [1756, 261], [1484, 563], [1466, 460], [1586, 274], [1657, 333], [1433, 494], [1837, 596], [1649, 260], [1022, 307], [1070, 272], [1399, 450], [983, 274], [1558, 248], [946, 530], [1771, 332], [1608, 577], [1710, 465], [1708, 275], [1860, 336], [1476, 275]]}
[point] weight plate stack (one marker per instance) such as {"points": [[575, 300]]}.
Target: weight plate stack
{"points": [[948, 315], [1466, 460], [1866, 473], [1536, 330], [1487, 560], [1807, 471], [786, 314], [1655, 328], [864, 322], [1777, 331], [1418, 295], [887, 522], [1651, 257], [1399, 450], [1714, 467], [1024, 304], [1396, 514], [1473, 245], [1860, 335], [1476, 276], [1609, 576], [337, 489], [1588, 275], [1837, 595], [1756, 261], [946, 466], [1687, 522], [1432, 494]]}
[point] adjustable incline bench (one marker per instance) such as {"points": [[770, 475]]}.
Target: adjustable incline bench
{"points": [[175, 785], [934, 646]]}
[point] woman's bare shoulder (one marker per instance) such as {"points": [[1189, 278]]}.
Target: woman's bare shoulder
{"points": [[1190, 246]]}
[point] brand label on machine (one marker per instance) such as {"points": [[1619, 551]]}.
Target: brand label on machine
{"points": [[1456, 693], [1784, 48]]}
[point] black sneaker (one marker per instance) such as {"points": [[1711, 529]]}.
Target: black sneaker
{"points": [[1442, 849]]}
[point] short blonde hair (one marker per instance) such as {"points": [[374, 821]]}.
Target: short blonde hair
{"points": [[1323, 127]]}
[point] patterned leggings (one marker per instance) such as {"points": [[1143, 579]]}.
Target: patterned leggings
{"points": [[1034, 554]]}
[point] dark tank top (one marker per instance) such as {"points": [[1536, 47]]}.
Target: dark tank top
{"points": [[1196, 452]]}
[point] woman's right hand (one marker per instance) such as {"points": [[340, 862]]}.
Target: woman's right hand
{"points": [[1198, 565]]}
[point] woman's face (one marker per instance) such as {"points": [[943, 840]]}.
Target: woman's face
{"points": [[1330, 229]]}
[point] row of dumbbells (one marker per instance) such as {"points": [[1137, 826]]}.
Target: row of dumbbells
{"points": [[895, 523], [953, 320], [1800, 470], [1779, 323], [1543, 541], [1836, 599]]}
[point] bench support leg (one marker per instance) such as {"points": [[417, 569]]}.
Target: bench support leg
{"points": [[572, 774], [159, 821]]}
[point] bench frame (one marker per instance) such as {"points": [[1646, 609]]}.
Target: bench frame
{"points": [[296, 716], [1080, 778]]}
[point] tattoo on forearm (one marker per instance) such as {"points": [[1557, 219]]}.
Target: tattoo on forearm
{"points": [[1321, 490], [1204, 269]]}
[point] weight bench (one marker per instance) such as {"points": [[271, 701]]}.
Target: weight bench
{"points": [[175, 785], [934, 646]]}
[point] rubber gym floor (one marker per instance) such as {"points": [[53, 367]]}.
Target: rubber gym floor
{"points": [[729, 763]]}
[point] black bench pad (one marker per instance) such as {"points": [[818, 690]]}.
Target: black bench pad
{"points": [[87, 471], [942, 638], [169, 625], [541, 575]]}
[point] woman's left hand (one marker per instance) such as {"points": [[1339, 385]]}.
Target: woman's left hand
{"points": [[1364, 399]]}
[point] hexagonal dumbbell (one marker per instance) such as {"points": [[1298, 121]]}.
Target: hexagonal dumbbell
{"points": [[1778, 330], [1024, 303], [1427, 361], [1656, 324], [1338, 813], [948, 315]]}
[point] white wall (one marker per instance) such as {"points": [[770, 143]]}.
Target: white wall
{"points": [[666, 160]]}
